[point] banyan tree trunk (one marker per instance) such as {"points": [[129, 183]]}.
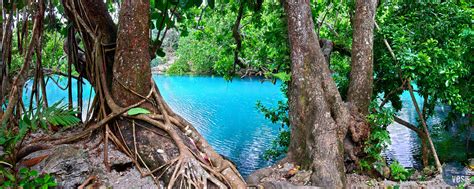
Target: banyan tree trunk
{"points": [[162, 145]]}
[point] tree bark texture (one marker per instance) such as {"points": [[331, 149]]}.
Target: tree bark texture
{"points": [[318, 116], [361, 76], [131, 69]]}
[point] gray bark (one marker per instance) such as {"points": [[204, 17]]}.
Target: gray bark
{"points": [[318, 116], [361, 77]]}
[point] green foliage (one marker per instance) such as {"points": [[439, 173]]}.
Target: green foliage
{"points": [[51, 54], [265, 42], [17, 62], [10, 139], [53, 51], [283, 76], [26, 179], [137, 111], [208, 48], [199, 56], [341, 67], [279, 146], [433, 46], [178, 68], [398, 172], [379, 118], [432, 42], [278, 114], [56, 114]]}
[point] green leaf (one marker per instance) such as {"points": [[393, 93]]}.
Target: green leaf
{"points": [[10, 176], [24, 171], [283, 76], [152, 3], [58, 114], [155, 16], [160, 4], [137, 111], [33, 173]]}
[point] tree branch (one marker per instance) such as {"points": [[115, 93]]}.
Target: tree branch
{"points": [[237, 36], [408, 125], [425, 127]]}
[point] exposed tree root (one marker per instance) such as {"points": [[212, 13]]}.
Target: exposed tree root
{"points": [[161, 144], [197, 165]]}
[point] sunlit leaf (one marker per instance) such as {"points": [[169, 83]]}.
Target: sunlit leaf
{"points": [[137, 111]]}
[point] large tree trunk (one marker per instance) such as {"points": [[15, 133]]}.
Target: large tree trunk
{"points": [[131, 70], [359, 94], [318, 116], [361, 77]]}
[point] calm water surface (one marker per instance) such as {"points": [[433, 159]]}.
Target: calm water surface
{"points": [[225, 114]]}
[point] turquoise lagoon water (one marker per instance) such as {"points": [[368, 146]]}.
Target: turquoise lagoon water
{"points": [[224, 113]]}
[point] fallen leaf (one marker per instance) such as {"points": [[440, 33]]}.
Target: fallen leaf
{"points": [[34, 161]]}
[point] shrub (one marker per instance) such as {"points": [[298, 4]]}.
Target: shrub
{"points": [[178, 68], [398, 172]]}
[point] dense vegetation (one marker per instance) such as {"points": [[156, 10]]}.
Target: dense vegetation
{"points": [[421, 49], [207, 46]]}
